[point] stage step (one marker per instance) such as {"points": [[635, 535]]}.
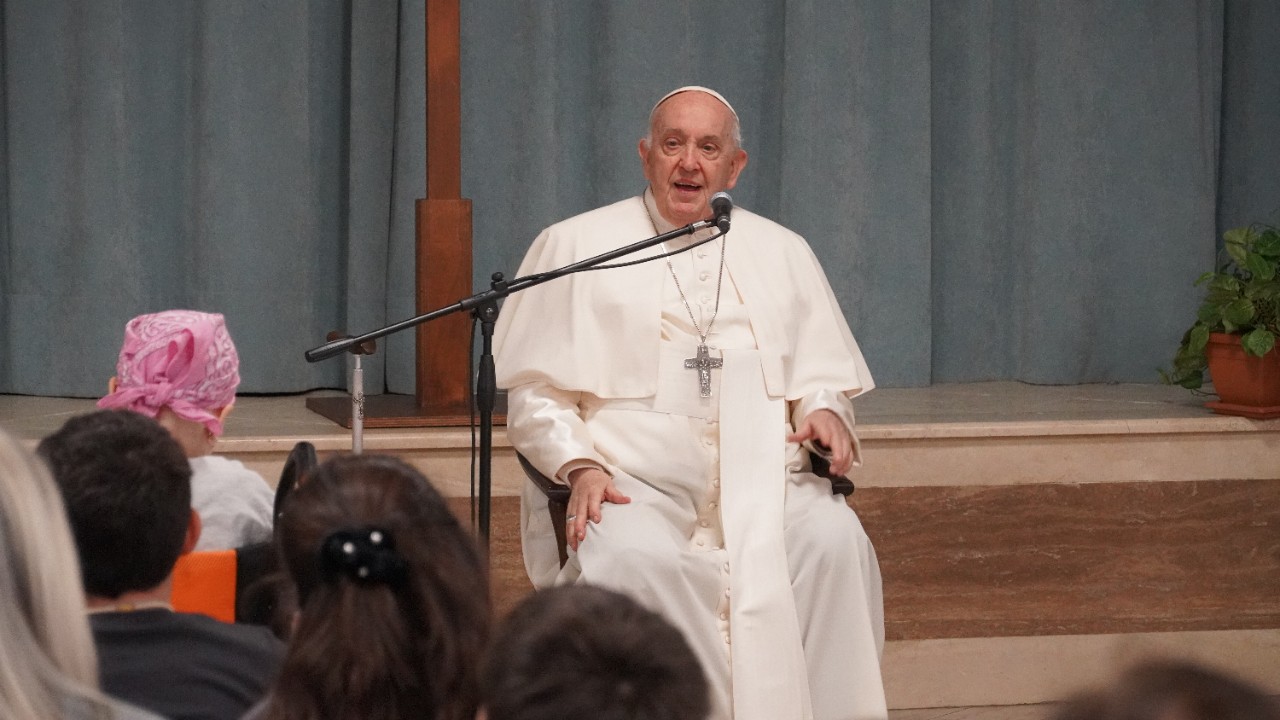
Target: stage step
{"points": [[1032, 539]]}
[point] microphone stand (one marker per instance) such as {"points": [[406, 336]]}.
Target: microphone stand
{"points": [[483, 306]]}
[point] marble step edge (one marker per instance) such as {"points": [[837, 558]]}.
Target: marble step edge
{"points": [[452, 438]]}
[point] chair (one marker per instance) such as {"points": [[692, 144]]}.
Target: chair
{"points": [[260, 582], [205, 582], [302, 460], [558, 494]]}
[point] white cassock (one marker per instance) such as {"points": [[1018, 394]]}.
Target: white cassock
{"points": [[771, 577]]}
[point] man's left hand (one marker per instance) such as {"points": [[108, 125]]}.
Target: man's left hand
{"points": [[825, 429]]}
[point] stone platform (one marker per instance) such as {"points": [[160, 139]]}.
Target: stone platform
{"points": [[1032, 539]]}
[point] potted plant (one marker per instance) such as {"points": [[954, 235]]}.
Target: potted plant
{"points": [[1235, 332]]}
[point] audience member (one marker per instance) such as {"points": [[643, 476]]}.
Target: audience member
{"points": [[392, 595], [1171, 690], [579, 651], [127, 490], [181, 368], [49, 665]]}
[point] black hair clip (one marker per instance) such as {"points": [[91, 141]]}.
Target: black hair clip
{"points": [[365, 555]]}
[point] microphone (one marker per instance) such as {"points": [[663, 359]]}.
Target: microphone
{"points": [[721, 207]]}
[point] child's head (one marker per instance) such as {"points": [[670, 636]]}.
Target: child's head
{"points": [[392, 592], [182, 360]]}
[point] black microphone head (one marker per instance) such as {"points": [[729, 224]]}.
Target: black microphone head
{"points": [[721, 203], [721, 207]]}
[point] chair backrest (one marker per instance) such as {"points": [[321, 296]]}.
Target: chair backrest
{"points": [[302, 460], [205, 582]]}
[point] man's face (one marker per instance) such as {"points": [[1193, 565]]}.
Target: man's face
{"points": [[690, 155]]}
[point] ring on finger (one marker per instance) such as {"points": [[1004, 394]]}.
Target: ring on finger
{"points": [[571, 518]]}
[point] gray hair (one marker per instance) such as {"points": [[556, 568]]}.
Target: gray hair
{"points": [[47, 656]]}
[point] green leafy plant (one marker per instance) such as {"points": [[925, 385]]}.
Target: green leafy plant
{"points": [[1242, 298]]}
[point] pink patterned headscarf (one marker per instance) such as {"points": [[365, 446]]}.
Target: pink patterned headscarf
{"points": [[180, 359]]}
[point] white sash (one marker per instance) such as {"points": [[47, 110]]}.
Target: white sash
{"points": [[769, 677]]}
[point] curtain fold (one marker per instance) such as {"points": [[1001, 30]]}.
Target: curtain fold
{"points": [[998, 190], [1074, 186]]}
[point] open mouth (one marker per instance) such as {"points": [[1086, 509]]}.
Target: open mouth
{"points": [[687, 188]]}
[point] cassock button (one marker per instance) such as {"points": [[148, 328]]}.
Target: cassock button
{"points": [[700, 543], [704, 523], [724, 616], [705, 276]]}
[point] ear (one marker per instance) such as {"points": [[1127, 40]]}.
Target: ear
{"points": [[224, 412], [112, 384], [642, 148], [193, 533], [739, 162]]}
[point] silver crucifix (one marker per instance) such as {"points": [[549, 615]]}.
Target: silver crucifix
{"points": [[703, 364]]}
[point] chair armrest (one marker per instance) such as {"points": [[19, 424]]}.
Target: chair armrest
{"points": [[557, 504], [840, 485]]}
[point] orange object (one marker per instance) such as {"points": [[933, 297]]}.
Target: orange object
{"points": [[205, 582]]}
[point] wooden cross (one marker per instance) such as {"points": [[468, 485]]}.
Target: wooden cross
{"points": [[703, 363]]}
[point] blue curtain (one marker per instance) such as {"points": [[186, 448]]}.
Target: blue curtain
{"points": [[997, 189]]}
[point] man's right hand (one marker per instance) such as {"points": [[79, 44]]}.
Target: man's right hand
{"points": [[589, 487]]}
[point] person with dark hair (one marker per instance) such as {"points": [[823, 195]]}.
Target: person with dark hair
{"points": [[50, 667], [1171, 690], [578, 651], [127, 488], [393, 600]]}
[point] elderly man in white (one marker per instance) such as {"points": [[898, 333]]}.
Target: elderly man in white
{"points": [[699, 500]]}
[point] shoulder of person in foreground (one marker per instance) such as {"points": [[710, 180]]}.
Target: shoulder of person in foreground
{"points": [[250, 646], [235, 503], [80, 708], [257, 641], [208, 668]]}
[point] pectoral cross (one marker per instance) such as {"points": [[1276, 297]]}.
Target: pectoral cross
{"points": [[703, 363]]}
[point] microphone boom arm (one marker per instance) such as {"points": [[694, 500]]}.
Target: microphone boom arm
{"points": [[499, 289], [484, 307]]}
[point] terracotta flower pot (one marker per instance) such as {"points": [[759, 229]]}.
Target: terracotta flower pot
{"points": [[1246, 385]]}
